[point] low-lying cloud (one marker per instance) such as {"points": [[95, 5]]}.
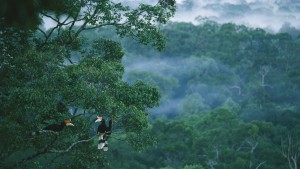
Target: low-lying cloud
{"points": [[266, 14]]}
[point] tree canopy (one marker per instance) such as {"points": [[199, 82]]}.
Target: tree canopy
{"points": [[49, 75], [230, 98]]}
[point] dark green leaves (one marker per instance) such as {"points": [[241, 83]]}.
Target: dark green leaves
{"points": [[108, 49], [53, 74]]}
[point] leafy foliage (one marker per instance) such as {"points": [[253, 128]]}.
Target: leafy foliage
{"points": [[51, 75]]}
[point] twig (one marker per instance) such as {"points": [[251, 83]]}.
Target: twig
{"points": [[104, 24], [44, 33], [260, 164], [71, 146], [49, 16], [48, 131], [82, 27]]}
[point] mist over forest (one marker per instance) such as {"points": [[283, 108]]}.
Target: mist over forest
{"points": [[196, 84], [271, 15], [211, 67], [202, 65]]}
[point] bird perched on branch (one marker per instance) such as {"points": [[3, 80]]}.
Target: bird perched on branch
{"points": [[104, 133], [59, 127]]}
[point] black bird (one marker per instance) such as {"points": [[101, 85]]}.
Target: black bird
{"points": [[104, 133], [103, 128], [108, 130], [59, 127]]}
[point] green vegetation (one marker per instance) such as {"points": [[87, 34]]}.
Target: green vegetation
{"points": [[224, 64], [51, 75], [228, 95], [230, 98]]}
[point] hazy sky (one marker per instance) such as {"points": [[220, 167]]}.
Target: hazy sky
{"points": [[267, 14]]}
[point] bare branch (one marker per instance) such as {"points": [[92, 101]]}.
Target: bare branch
{"points": [[58, 25], [212, 163], [291, 152], [264, 71], [71, 62], [73, 23], [260, 164], [253, 145], [64, 22], [43, 32], [105, 24], [49, 34], [49, 16], [86, 22], [71, 146], [241, 146], [48, 131], [75, 111]]}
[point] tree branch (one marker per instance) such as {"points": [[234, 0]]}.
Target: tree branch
{"points": [[49, 34], [44, 33], [71, 146], [253, 145], [49, 16], [69, 59], [260, 164], [48, 131], [105, 24], [60, 24], [291, 152], [86, 22], [74, 21]]}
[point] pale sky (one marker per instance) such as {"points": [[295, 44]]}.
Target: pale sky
{"points": [[266, 14]]}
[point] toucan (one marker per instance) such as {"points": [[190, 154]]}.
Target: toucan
{"points": [[59, 127]]}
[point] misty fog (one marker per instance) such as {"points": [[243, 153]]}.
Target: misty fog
{"points": [[175, 70], [266, 14]]}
